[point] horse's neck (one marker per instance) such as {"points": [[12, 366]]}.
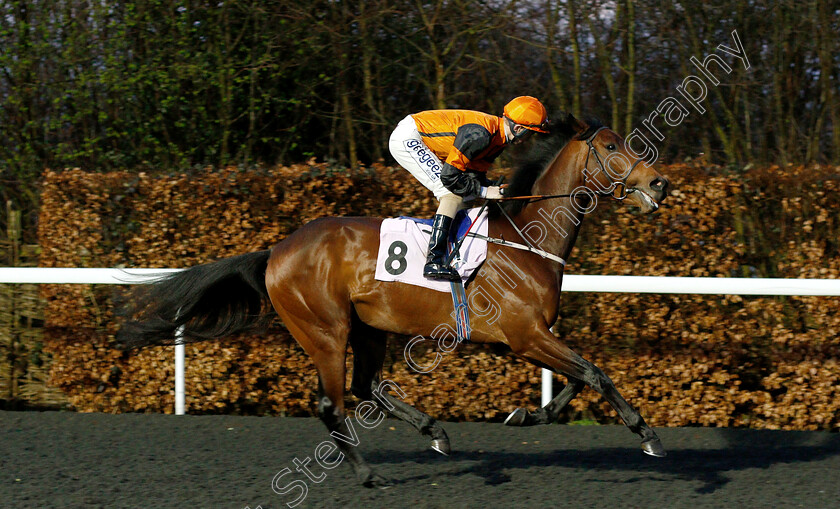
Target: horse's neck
{"points": [[556, 219]]}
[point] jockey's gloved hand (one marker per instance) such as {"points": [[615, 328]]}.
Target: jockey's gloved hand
{"points": [[492, 193]]}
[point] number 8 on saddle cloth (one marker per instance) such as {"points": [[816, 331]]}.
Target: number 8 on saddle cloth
{"points": [[402, 253]]}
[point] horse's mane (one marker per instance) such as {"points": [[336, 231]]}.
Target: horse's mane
{"points": [[546, 146]]}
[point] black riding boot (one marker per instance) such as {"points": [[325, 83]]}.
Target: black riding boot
{"points": [[436, 267]]}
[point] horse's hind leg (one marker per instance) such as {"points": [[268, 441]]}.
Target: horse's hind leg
{"points": [[368, 356], [344, 434], [549, 413], [326, 344]]}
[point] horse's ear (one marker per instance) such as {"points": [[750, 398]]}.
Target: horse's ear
{"points": [[566, 124], [576, 125]]}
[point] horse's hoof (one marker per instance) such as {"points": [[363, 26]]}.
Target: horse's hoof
{"points": [[517, 417], [654, 447], [377, 481], [441, 445]]}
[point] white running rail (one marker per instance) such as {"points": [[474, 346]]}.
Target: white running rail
{"points": [[571, 283]]}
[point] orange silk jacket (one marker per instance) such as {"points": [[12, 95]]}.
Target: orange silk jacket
{"points": [[462, 138], [466, 142]]}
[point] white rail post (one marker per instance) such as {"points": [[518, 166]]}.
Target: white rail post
{"points": [[180, 393], [546, 386]]}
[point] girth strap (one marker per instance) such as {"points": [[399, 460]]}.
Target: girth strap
{"points": [[529, 247], [523, 247]]}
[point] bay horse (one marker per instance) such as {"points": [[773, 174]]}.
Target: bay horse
{"points": [[320, 281]]}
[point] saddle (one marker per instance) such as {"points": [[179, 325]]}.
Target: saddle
{"points": [[403, 243]]}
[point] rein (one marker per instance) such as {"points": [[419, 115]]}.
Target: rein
{"points": [[620, 185], [537, 197]]}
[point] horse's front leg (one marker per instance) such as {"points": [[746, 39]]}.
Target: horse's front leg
{"points": [[543, 348], [549, 413]]}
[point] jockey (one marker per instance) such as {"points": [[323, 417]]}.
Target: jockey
{"points": [[450, 151]]}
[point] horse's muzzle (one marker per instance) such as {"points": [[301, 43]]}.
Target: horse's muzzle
{"points": [[659, 187]]}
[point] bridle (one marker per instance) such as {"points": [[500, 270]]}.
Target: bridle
{"points": [[615, 185], [620, 185]]}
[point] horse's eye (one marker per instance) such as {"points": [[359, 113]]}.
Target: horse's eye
{"points": [[610, 147]]}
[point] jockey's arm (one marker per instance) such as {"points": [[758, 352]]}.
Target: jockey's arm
{"points": [[465, 183], [470, 141]]}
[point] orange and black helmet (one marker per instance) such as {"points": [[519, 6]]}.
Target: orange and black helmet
{"points": [[528, 112]]}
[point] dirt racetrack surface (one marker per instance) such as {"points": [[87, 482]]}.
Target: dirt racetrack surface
{"points": [[63, 459]]}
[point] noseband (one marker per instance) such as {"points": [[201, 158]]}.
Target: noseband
{"points": [[615, 185]]}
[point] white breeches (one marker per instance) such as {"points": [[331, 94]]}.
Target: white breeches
{"points": [[407, 147]]}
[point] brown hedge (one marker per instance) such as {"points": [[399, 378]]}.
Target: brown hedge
{"points": [[682, 359]]}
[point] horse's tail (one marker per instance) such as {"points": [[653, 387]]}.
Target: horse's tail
{"points": [[209, 301]]}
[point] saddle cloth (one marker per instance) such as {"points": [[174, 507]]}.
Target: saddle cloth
{"points": [[404, 243]]}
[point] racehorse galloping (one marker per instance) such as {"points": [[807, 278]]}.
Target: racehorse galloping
{"points": [[320, 280]]}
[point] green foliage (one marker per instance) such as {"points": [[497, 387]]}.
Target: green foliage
{"points": [[166, 84]]}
